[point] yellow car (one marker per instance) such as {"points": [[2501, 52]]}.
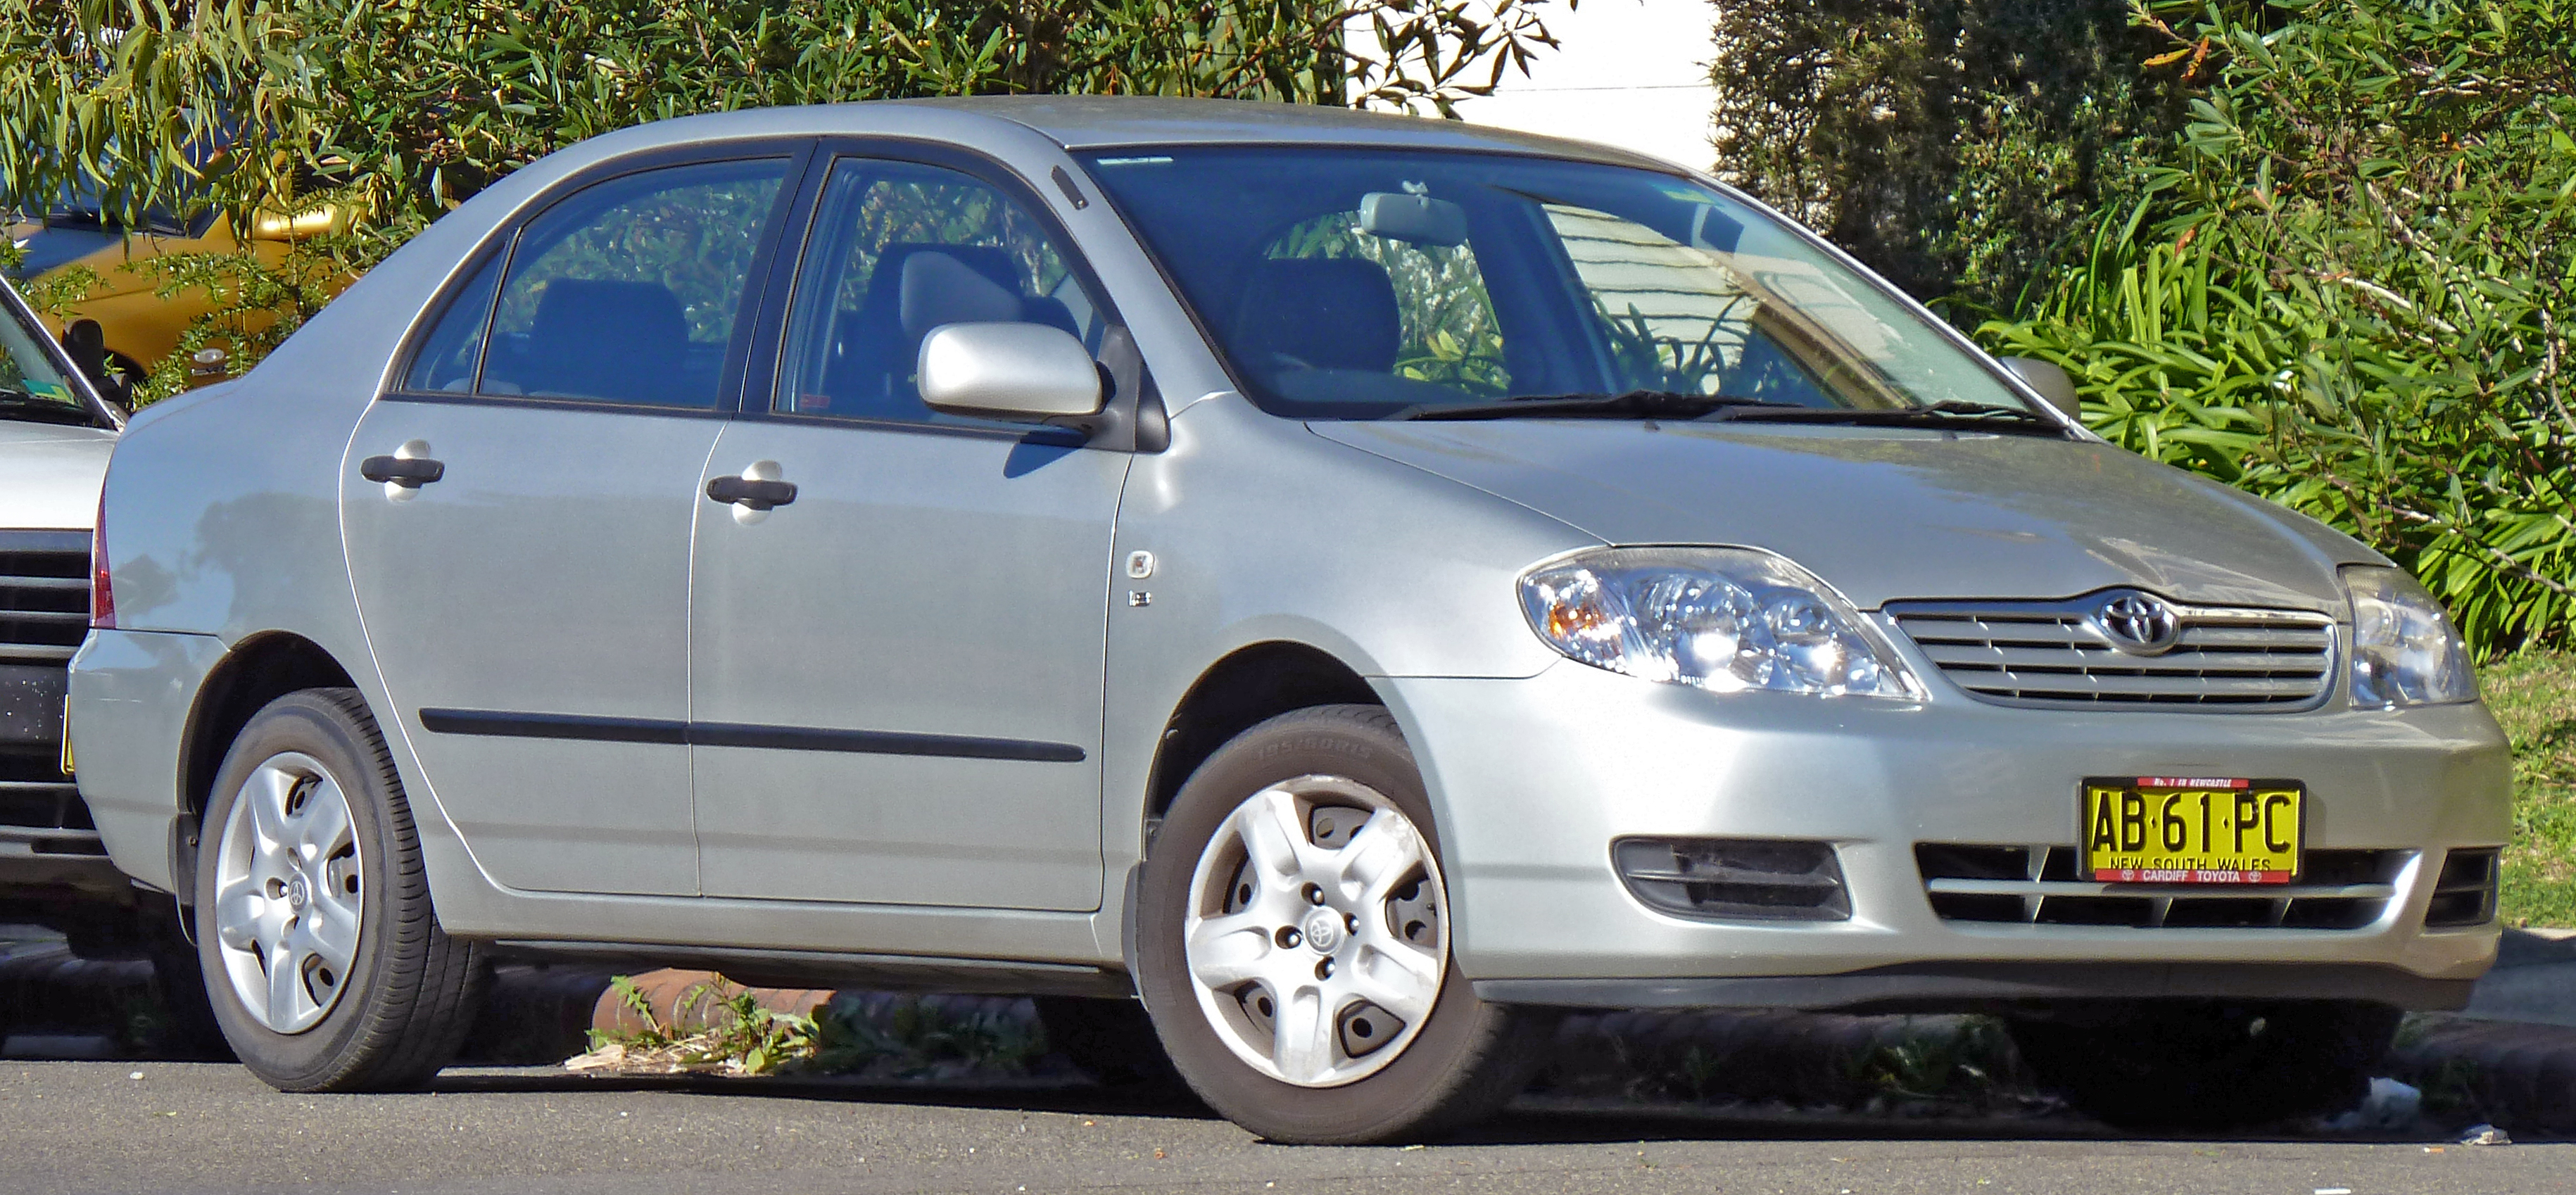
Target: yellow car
{"points": [[139, 326]]}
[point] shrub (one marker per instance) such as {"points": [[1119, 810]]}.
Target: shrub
{"points": [[1950, 144], [2347, 289]]}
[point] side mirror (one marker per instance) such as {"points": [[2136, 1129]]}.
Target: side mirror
{"points": [[2051, 382], [1024, 372], [295, 226]]}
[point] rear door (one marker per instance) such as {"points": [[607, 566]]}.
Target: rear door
{"points": [[897, 673], [518, 513]]}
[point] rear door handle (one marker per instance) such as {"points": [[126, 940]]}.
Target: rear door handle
{"points": [[409, 472], [750, 493]]}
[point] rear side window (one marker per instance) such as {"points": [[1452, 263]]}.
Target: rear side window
{"points": [[626, 293], [447, 360]]}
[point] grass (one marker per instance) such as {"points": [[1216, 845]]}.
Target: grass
{"points": [[2534, 696]]}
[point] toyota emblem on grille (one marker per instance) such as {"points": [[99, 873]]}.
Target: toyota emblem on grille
{"points": [[2138, 624]]}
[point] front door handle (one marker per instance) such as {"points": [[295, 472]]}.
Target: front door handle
{"points": [[409, 472], [751, 493]]}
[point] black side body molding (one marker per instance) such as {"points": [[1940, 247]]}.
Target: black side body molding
{"points": [[725, 734]]}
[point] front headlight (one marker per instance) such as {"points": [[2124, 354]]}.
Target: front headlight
{"points": [[2404, 649], [1726, 619]]}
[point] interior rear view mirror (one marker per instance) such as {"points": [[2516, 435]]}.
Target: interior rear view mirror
{"points": [[2051, 382], [1416, 219], [1016, 371]]}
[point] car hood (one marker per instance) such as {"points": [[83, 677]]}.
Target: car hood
{"points": [[1889, 514], [49, 475]]}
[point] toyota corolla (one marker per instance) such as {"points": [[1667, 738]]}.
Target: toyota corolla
{"points": [[1305, 594]]}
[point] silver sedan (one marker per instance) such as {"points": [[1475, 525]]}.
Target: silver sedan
{"points": [[1307, 595]]}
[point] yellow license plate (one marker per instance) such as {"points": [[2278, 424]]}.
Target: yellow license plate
{"points": [[2192, 829]]}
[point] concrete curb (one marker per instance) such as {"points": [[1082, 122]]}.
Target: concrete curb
{"points": [[2519, 1076]]}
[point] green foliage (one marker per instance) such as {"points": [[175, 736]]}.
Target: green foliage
{"points": [[2534, 697], [2348, 291], [395, 111], [1967, 1061], [1950, 144], [741, 1038], [914, 1037], [420, 103]]}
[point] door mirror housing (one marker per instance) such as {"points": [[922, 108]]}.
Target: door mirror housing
{"points": [[1027, 373], [2051, 382]]}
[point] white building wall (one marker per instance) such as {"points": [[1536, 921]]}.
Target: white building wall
{"points": [[1631, 73]]}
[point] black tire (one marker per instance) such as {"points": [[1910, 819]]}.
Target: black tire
{"points": [[1112, 1041], [1465, 1059], [2209, 1065], [411, 992]]}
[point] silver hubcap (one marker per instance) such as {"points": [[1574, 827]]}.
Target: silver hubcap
{"points": [[287, 895], [1317, 936]]}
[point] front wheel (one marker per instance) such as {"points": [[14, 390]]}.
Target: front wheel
{"points": [[1294, 943], [323, 961], [2201, 1064]]}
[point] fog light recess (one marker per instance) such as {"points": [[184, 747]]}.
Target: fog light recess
{"points": [[1735, 879], [2465, 894]]}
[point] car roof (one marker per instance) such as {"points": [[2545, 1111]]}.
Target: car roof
{"points": [[1109, 122], [1105, 122]]}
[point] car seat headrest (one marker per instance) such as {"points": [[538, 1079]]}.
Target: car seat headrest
{"points": [[939, 289]]}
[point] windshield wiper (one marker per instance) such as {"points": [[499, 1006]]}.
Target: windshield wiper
{"points": [[1634, 404], [1948, 415]]}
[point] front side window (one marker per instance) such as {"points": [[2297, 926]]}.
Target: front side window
{"points": [[1365, 283], [625, 293], [897, 249]]}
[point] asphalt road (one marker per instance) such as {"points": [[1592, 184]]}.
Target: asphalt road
{"points": [[205, 1129]]}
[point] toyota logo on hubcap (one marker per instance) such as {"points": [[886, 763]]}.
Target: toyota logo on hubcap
{"points": [[1324, 931], [2138, 624]]}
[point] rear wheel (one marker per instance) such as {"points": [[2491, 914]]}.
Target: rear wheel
{"points": [[1294, 943], [323, 961], [2198, 1064]]}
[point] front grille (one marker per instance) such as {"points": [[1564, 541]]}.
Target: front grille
{"points": [[1756, 879], [42, 808], [2037, 885], [2055, 655], [44, 612], [2465, 893], [44, 595]]}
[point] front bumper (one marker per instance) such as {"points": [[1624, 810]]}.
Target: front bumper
{"points": [[1532, 779]]}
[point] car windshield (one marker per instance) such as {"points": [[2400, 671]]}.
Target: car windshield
{"points": [[1368, 284], [31, 388]]}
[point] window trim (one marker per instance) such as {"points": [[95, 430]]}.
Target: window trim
{"points": [[757, 394], [503, 241]]}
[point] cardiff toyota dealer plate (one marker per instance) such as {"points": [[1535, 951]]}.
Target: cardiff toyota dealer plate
{"points": [[2192, 829]]}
